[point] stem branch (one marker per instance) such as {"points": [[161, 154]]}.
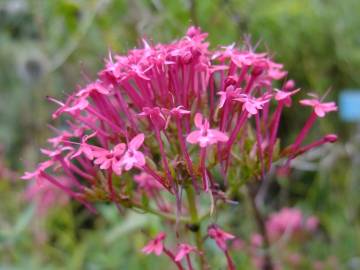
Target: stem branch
{"points": [[268, 264]]}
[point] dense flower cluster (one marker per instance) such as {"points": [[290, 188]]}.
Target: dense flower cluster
{"points": [[169, 117]]}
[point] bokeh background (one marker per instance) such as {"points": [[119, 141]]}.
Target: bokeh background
{"points": [[48, 48]]}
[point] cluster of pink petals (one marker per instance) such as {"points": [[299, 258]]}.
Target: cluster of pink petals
{"points": [[166, 116], [290, 221]]}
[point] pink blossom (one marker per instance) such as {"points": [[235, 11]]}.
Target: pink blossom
{"points": [[285, 96], [219, 236], [132, 156], [275, 71], [76, 104], [225, 52], [156, 245], [252, 105], [109, 159], [61, 138], [205, 136], [177, 112], [289, 85], [319, 108], [229, 94], [155, 115], [147, 183], [184, 250], [93, 87], [249, 58], [37, 173]]}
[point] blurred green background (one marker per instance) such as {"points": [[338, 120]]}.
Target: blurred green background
{"points": [[46, 47]]}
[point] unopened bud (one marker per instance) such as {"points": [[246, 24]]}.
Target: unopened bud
{"points": [[331, 138], [289, 85]]}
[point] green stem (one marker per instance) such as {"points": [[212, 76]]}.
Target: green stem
{"points": [[268, 262], [195, 223], [161, 214]]}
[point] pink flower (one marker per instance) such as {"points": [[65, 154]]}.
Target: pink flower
{"points": [[86, 148], [176, 112], [155, 115], [184, 250], [319, 108], [275, 71], [75, 104], [109, 159], [40, 169], [57, 151], [205, 136], [285, 96], [91, 88], [219, 236], [61, 138], [132, 156], [156, 245], [252, 105], [249, 58], [229, 94], [147, 183]]}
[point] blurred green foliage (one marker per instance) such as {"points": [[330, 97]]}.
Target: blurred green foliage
{"points": [[48, 46]]}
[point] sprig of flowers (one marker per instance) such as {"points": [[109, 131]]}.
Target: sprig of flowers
{"points": [[171, 117]]}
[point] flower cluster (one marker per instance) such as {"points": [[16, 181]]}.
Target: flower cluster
{"points": [[170, 117], [290, 221]]}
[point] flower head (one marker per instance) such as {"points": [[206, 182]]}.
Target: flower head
{"points": [[109, 159], [205, 136], [39, 170], [320, 108], [219, 236], [156, 245], [155, 115], [132, 156], [183, 251], [252, 105], [285, 96], [229, 94]]}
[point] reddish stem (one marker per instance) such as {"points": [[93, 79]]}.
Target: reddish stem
{"points": [[172, 258]]}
